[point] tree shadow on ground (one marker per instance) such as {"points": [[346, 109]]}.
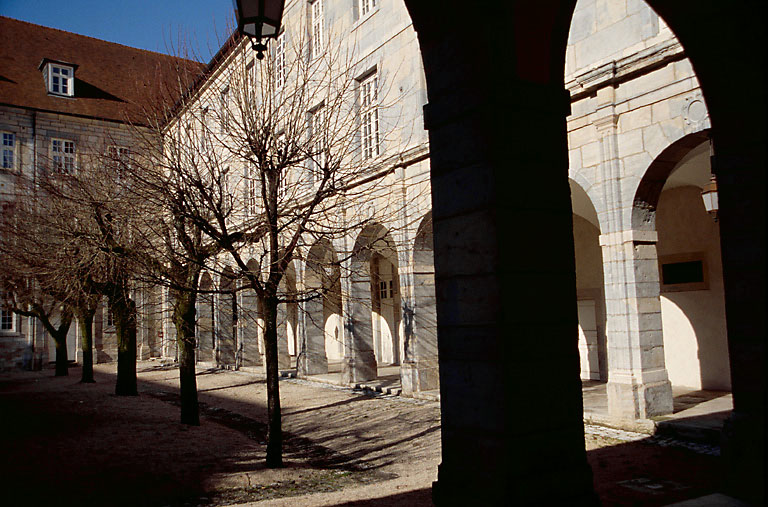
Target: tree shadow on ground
{"points": [[76, 444]]}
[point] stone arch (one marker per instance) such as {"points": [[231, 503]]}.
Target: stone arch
{"points": [[227, 319], [510, 68], [375, 308], [651, 184], [590, 292], [323, 313], [206, 334], [692, 307]]}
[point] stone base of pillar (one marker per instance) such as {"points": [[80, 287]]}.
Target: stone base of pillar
{"points": [[312, 364], [360, 369], [743, 450], [419, 376], [639, 401]]}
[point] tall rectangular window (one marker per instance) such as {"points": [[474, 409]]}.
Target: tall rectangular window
{"points": [[63, 156], [9, 150], [280, 61], [317, 27], [367, 6], [252, 189], [224, 109], [317, 133], [369, 116]]}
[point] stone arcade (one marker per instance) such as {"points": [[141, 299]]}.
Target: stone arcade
{"points": [[628, 282]]}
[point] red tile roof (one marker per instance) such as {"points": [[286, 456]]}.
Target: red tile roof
{"points": [[112, 81]]}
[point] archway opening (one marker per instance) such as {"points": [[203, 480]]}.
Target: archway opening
{"points": [[590, 292], [691, 275], [324, 347], [375, 303]]}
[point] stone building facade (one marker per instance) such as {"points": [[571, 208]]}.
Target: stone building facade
{"points": [[650, 286], [639, 150], [63, 97], [378, 316]]}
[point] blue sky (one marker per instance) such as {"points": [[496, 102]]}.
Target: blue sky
{"points": [[156, 25]]}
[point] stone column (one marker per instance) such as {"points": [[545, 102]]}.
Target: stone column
{"points": [[511, 408]]}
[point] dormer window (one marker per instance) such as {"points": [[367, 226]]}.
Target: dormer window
{"points": [[59, 77]]}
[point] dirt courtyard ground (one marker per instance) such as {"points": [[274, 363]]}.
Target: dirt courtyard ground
{"points": [[66, 443]]}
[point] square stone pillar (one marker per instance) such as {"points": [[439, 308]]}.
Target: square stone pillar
{"points": [[283, 357], [359, 358], [638, 385], [312, 359]]}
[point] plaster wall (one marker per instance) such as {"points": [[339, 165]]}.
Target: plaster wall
{"points": [[695, 342]]}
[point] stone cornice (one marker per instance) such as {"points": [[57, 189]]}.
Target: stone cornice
{"points": [[624, 69]]}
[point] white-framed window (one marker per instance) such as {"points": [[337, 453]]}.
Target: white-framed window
{"points": [[8, 146], [61, 80], [7, 317], [386, 289], [318, 140], [280, 61], [110, 317], [369, 116], [317, 25], [367, 6], [63, 156]]}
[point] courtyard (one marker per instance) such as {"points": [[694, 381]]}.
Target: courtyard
{"points": [[68, 443]]}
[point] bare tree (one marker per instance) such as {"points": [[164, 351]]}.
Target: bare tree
{"points": [[270, 158]]}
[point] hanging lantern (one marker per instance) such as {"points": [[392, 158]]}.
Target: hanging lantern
{"points": [[259, 19], [709, 195]]}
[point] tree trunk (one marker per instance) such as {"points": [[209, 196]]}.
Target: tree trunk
{"points": [[274, 423], [85, 321], [62, 361], [184, 320], [124, 312], [59, 336]]}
